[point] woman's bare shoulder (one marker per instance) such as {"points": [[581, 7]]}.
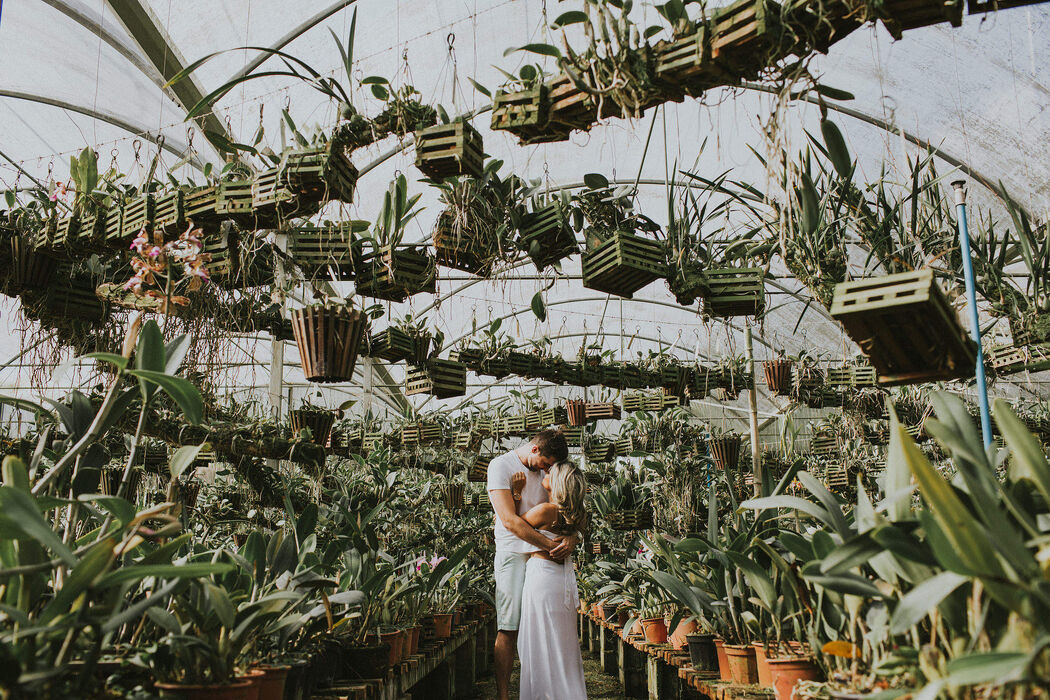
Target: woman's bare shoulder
{"points": [[542, 515]]}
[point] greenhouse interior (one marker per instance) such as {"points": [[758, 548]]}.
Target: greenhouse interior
{"points": [[525, 349]]}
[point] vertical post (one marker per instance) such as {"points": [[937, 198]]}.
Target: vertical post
{"points": [[971, 298], [276, 386], [752, 404]]}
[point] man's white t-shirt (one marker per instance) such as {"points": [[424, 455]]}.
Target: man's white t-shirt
{"points": [[500, 470]]}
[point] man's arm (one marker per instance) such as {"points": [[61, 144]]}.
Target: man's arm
{"points": [[503, 503], [565, 546]]}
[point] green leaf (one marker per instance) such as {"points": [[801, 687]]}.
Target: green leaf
{"points": [[83, 575], [542, 49], [175, 353], [923, 599], [26, 405], [165, 620], [110, 357], [849, 584], [221, 604], [480, 88], [137, 572], [595, 181], [538, 306], [1028, 461], [185, 394], [837, 150], [182, 459], [834, 93], [121, 509], [986, 667], [19, 514], [792, 502], [570, 17], [380, 92]]}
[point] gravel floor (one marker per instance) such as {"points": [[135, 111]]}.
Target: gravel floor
{"points": [[599, 684]]}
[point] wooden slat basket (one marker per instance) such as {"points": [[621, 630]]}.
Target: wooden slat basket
{"points": [[623, 264]]}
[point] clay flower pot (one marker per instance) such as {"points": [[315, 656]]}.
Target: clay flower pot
{"points": [[723, 660], [742, 666], [442, 625], [241, 689], [412, 640], [271, 685], [655, 630], [789, 670], [681, 631], [623, 616], [762, 665], [396, 640], [702, 652]]}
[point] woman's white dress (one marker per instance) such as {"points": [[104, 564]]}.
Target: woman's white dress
{"points": [[548, 645]]}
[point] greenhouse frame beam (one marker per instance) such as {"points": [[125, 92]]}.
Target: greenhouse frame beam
{"points": [[146, 30], [175, 148]]}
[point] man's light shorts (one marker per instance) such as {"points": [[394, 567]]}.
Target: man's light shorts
{"points": [[510, 583]]}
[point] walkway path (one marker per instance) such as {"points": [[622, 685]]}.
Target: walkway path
{"points": [[599, 684]]}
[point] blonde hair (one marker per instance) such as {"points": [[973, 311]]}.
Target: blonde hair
{"points": [[569, 493]]}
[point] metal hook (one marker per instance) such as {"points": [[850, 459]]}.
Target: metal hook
{"points": [[136, 147], [189, 138], [451, 40]]}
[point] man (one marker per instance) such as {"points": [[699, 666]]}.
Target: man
{"points": [[516, 539]]}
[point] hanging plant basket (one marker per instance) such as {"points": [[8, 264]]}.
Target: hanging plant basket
{"points": [[479, 469], [200, 205], [233, 200], [319, 174], [623, 264], [138, 216], [899, 16], [522, 364], [1011, 359], [747, 37], [452, 494], [521, 112], [602, 411], [513, 426], [373, 440], [440, 378], [838, 376], [329, 338], [778, 376], [110, 482], [624, 446], [600, 548], [169, 211], [686, 62], [547, 236], [394, 344], [480, 500], [75, 299], [725, 450], [463, 250], [31, 268], [318, 421], [325, 251], [573, 436], [599, 451], [906, 327], [187, 492], [863, 376], [734, 291], [576, 410], [640, 519], [396, 274], [823, 446], [450, 150]]}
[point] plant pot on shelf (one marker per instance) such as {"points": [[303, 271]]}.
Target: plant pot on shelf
{"points": [[329, 338], [395, 274], [678, 636], [440, 378], [273, 681], [396, 641], [237, 690], [723, 660], [734, 291], [906, 327], [762, 664], [725, 450], [787, 671], [623, 264], [609, 611], [702, 652], [743, 668], [449, 150], [655, 630], [778, 376], [300, 682], [442, 625], [319, 422]]}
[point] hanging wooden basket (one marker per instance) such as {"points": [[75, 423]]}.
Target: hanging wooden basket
{"points": [[325, 251], [623, 264], [823, 445], [440, 378], [725, 450], [899, 16], [687, 63], [479, 469], [31, 268], [329, 338], [396, 274], [640, 519], [906, 327], [453, 494], [199, 205], [318, 421], [747, 36], [521, 112], [734, 292], [138, 216], [599, 451], [450, 150], [778, 376], [546, 235], [233, 200], [392, 344], [577, 411]]}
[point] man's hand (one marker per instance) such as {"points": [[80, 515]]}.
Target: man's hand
{"points": [[517, 485], [565, 547]]}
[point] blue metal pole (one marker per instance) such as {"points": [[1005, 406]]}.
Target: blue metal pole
{"points": [[971, 297]]}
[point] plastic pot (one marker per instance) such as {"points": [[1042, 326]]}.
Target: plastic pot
{"points": [[238, 690], [742, 666], [655, 630], [787, 671], [442, 625], [299, 684], [273, 681], [366, 662], [681, 631], [702, 652]]}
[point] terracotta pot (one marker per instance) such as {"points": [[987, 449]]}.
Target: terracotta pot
{"points": [[622, 617], [255, 677], [678, 637], [442, 625], [762, 664], [597, 612], [609, 612], [456, 618], [655, 630], [789, 670], [742, 666], [271, 685], [396, 640], [238, 690], [723, 660], [702, 652], [412, 640]]}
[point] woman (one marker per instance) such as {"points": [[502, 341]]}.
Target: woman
{"points": [[551, 665]]}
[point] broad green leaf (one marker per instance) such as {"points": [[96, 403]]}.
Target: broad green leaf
{"points": [[987, 667], [828, 500], [183, 459], [185, 394], [19, 513], [137, 572], [851, 554], [846, 583], [541, 49], [121, 509], [15, 473], [1028, 459], [595, 181], [110, 357], [480, 88], [792, 502], [923, 599], [175, 353], [897, 475], [93, 564], [837, 150], [221, 604], [570, 17], [538, 307], [165, 620]]}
